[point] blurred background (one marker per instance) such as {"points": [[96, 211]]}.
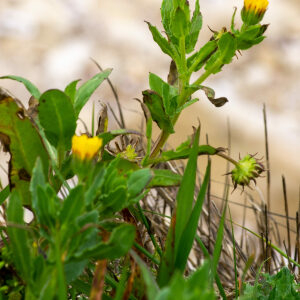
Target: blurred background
{"points": [[51, 43]]}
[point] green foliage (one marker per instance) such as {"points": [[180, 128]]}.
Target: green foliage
{"points": [[279, 286], [85, 202]]}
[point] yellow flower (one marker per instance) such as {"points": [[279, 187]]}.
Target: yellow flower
{"points": [[85, 148], [258, 6], [253, 11], [129, 153]]}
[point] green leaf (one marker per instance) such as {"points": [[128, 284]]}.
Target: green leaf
{"points": [[184, 153], [163, 178], [167, 92], [72, 206], [151, 285], [198, 59], [70, 90], [161, 41], [119, 243], [74, 269], [185, 195], [180, 23], [226, 51], [32, 89], [166, 14], [18, 237], [84, 93], [196, 25], [190, 230], [38, 179], [4, 194], [156, 107], [137, 181], [21, 139], [56, 115]]}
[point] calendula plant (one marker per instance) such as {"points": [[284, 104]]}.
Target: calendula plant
{"points": [[83, 239]]}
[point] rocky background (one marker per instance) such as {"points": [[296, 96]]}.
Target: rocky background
{"points": [[51, 43]]}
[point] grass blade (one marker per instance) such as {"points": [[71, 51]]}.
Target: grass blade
{"points": [[188, 235]]}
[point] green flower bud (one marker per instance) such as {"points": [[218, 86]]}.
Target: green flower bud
{"points": [[246, 169], [253, 11]]}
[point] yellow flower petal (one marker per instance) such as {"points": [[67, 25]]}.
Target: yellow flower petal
{"points": [[84, 147], [257, 6]]}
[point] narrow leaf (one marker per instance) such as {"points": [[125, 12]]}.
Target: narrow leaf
{"points": [[70, 90], [4, 194], [189, 233], [32, 89], [185, 195], [84, 93]]}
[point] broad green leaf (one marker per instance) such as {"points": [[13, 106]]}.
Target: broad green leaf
{"points": [[167, 92], [119, 243], [226, 51], [156, 107], [72, 206], [74, 269], [21, 139], [196, 25], [137, 181], [84, 93], [70, 90], [56, 115], [196, 61], [32, 89], [185, 195], [4, 194], [190, 230], [163, 178], [161, 41], [18, 237]]}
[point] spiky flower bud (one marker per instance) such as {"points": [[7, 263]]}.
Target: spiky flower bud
{"points": [[246, 169], [253, 11]]}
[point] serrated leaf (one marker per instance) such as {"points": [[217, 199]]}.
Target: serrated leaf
{"points": [[196, 25], [70, 90], [161, 41], [18, 237], [32, 89], [20, 138], [84, 93], [179, 23], [166, 13], [226, 51], [198, 59], [56, 115]]}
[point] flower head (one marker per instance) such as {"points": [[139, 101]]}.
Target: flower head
{"points": [[129, 153], [253, 11], [85, 148], [246, 169]]}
